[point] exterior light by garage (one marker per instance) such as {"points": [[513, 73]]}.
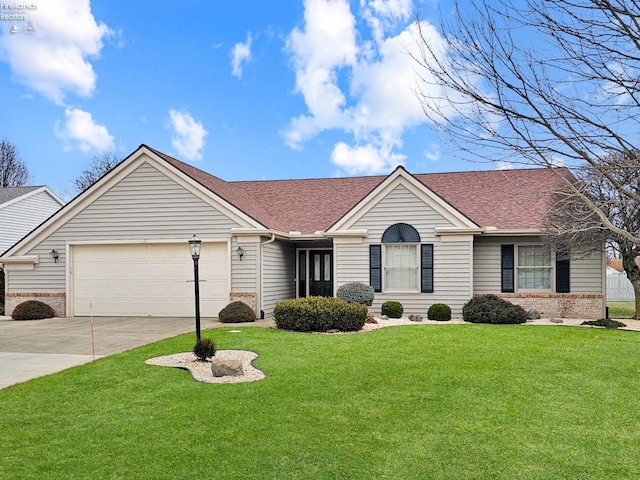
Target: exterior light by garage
{"points": [[55, 255], [240, 252], [194, 246]]}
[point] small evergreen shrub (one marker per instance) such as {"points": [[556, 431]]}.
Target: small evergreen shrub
{"points": [[319, 314], [32, 310], [237, 312], [356, 292], [439, 312], [392, 309], [204, 348], [605, 322], [492, 309]]}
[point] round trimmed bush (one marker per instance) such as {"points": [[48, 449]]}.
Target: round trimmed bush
{"points": [[492, 309], [32, 310], [237, 312], [356, 292], [319, 314], [204, 348], [439, 312], [392, 309]]}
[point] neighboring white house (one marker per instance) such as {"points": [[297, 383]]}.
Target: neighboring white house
{"points": [[419, 239], [22, 209]]}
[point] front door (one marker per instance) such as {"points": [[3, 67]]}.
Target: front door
{"points": [[321, 273]]}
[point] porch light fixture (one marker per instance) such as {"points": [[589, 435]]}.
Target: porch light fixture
{"points": [[55, 255], [194, 246], [240, 252]]}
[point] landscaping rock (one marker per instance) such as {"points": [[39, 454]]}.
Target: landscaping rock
{"points": [[556, 320], [226, 367], [415, 318], [533, 314]]}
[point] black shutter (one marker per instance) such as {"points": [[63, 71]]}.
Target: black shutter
{"points": [[375, 267], [426, 267], [562, 276], [507, 265]]}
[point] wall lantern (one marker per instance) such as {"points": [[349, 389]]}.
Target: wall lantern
{"points": [[240, 252], [55, 255]]}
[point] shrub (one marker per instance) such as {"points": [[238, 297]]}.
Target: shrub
{"points": [[392, 309], [492, 309], [32, 310], [605, 322], [356, 292], [204, 348], [237, 312], [439, 312], [319, 314]]}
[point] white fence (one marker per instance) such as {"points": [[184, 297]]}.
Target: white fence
{"points": [[619, 288]]}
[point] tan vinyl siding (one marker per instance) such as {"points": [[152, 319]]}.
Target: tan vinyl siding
{"points": [[585, 272], [244, 273], [279, 272], [452, 260], [19, 218], [146, 205]]}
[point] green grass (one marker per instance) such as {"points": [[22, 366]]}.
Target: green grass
{"points": [[441, 402], [621, 309]]}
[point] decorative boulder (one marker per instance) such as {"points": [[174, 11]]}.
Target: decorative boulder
{"points": [[533, 314], [226, 368], [415, 318]]}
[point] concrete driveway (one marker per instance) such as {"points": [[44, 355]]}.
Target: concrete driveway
{"points": [[30, 349]]}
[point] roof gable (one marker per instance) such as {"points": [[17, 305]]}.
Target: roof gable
{"points": [[11, 195], [401, 177]]}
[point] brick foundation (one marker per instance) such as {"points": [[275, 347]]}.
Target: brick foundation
{"points": [[560, 305], [247, 297], [57, 301]]}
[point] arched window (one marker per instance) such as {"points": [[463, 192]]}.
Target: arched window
{"points": [[401, 233], [401, 263]]}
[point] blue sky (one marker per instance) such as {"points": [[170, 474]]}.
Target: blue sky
{"points": [[242, 90]]}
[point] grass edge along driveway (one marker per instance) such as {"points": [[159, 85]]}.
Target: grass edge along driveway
{"points": [[446, 401]]}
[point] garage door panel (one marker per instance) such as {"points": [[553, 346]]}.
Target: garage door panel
{"points": [[148, 280]]}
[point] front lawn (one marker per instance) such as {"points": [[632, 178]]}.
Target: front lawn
{"points": [[621, 309], [424, 401]]}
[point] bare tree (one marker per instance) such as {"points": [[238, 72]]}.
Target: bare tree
{"points": [[13, 171], [544, 83], [571, 227], [99, 166]]}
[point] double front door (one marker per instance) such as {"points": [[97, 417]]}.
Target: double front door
{"points": [[315, 273]]}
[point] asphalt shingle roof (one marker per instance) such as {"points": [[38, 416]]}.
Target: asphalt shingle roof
{"points": [[9, 193], [506, 199]]}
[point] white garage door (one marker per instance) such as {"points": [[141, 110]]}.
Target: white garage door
{"points": [[148, 280]]}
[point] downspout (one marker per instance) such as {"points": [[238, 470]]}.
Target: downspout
{"points": [[262, 244]]}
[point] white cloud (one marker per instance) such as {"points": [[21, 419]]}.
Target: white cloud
{"points": [[366, 90], [365, 159], [504, 165], [327, 42], [54, 60], [80, 129], [240, 53], [383, 15], [189, 135]]}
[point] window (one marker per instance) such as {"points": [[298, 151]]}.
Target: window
{"points": [[534, 267], [400, 263], [401, 267]]}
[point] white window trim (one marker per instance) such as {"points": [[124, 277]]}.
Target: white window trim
{"points": [[384, 268], [551, 267]]}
